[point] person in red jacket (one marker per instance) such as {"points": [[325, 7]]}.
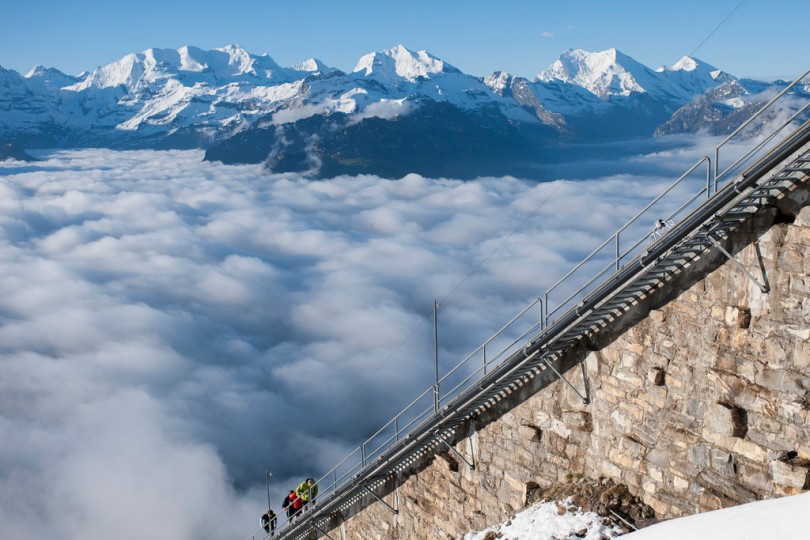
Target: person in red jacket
{"points": [[288, 505]]}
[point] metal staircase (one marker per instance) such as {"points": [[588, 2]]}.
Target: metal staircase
{"points": [[536, 351]]}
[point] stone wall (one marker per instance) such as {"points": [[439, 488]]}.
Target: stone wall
{"points": [[702, 402]]}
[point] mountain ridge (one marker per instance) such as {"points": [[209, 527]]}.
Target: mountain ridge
{"points": [[194, 98]]}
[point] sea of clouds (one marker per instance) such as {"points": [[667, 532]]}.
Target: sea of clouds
{"points": [[172, 328]]}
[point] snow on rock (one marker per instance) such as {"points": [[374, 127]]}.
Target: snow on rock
{"points": [[545, 521], [11, 81], [401, 63], [687, 63], [695, 66], [498, 81], [612, 73], [124, 72], [313, 65], [190, 65], [693, 75], [602, 73], [51, 76]]}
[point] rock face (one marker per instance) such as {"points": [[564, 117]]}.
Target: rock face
{"points": [[13, 152], [704, 403], [611, 501], [436, 139], [718, 111]]}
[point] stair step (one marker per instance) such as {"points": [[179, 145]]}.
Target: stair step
{"points": [[736, 217], [643, 285], [614, 306], [655, 276]]}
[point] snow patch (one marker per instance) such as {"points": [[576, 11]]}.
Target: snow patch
{"points": [[544, 522], [498, 81]]}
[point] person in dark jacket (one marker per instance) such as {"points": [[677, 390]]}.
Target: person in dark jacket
{"points": [[269, 521]]}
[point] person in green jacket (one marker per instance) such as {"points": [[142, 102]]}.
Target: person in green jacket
{"points": [[307, 491]]}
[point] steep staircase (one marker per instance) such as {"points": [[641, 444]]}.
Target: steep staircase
{"points": [[586, 311]]}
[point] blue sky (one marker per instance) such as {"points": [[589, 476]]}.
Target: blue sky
{"points": [[762, 38]]}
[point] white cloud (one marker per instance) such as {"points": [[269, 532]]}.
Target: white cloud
{"points": [[546, 34], [385, 108], [286, 116], [171, 328]]}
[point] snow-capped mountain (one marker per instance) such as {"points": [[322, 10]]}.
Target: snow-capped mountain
{"points": [[400, 63], [606, 73], [397, 102], [611, 73], [190, 66], [52, 77]]}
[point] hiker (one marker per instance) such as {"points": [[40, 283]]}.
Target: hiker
{"points": [[269, 520], [307, 492], [297, 506], [287, 504]]}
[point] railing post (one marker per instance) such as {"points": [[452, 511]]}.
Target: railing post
{"points": [[716, 166], [485, 359], [436, 344], [709, 178], [617, 252], [396, 428], [267, 477], [540, 301], [363, 454]]}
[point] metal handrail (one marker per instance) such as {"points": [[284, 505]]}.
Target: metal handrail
{"points": [[487, 342], [330, 486], [413, 424], [616, 236], [462, 385]]}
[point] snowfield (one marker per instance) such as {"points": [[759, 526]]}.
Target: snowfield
{"points": [[787, 518]]}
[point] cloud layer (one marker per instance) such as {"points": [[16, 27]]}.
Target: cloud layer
{"points": [[170, 328]]}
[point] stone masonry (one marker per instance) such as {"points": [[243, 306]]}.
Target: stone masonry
{"points": [[702, 403]]}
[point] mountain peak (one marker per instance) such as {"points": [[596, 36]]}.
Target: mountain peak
{"points": [[400, 62], [499, 81], [36, 71], [603, 73], [313, 65], [189, 65], [694, 75], [51, 76], [688, 63]]}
